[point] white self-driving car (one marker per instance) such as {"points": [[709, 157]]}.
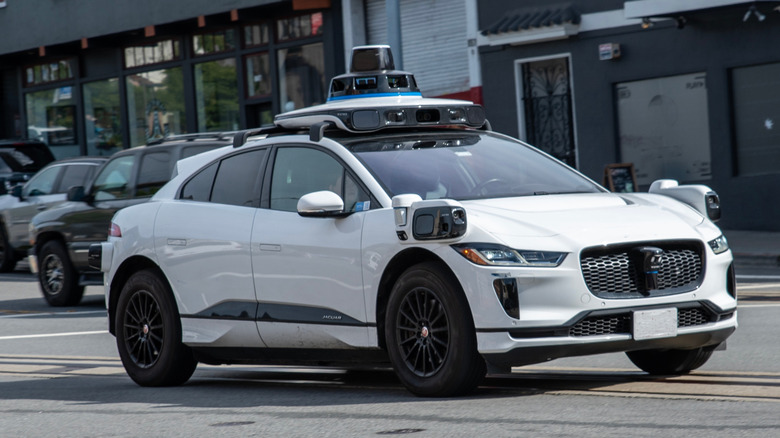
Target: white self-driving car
{"points": [[386, 228]]}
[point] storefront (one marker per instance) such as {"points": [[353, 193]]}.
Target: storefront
{"points": [[220, 72]]}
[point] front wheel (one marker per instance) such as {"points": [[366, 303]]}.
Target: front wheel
{"points": [[430, 334], [57, 277], [148, 333], [670, 362]]}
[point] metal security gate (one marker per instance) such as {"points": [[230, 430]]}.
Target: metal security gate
{"points": [[547, 104]]}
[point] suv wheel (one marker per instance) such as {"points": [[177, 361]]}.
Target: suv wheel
{"points": [[7, 256], [148, 333], [669, 362], [430, 334], [57, 277]]}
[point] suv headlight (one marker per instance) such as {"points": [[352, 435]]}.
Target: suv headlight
{"points": [[719, 244], [488, 254]]}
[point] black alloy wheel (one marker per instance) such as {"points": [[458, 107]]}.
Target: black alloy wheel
{"points": [[430, 335], [148, 332]]}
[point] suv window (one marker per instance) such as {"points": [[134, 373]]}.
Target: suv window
{"points": [[43, 183], [75, 175], [155, 171], [113, 182], [298, 171], [234, 180]]}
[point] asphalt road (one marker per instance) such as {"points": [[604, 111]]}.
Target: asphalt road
{"points": [[60, 376]]}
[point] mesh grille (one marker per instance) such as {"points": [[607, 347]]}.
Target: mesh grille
{"points": [[621, 323], [611, 273]]}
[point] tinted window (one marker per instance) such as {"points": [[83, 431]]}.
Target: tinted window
{"points": [[43, 183], [199, 187], [465, 166], [113, 181], [75, 175], [298, 171], [155, 172], [238, 179]]}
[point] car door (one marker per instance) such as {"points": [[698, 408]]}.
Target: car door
{"points": [[202, 242], [307, 270], [37, 194]]}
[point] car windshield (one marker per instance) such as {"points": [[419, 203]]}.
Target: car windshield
{"points": [[465, 165]]}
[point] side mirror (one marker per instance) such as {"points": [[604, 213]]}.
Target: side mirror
{"points": [[17, 191], [76, 193], [321, 204], [702, 198]]}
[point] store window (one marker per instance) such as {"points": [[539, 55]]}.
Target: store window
{"points": [[102, 119], [301, 26], [216, 95], [756, 116], [257, 35], [664, 127], [213, 42], [48, 72], [153, 53], [51, 116], [301, 76], [258, 75], [155, 104]]}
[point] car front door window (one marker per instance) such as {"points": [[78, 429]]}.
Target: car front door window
{"points": [[113, 182]]}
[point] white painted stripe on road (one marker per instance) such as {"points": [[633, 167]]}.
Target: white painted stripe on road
{"points": [[27, 315], [52, 335]]}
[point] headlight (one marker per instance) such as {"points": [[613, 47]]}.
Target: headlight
{"points": [[488, 254], [719, 245]]}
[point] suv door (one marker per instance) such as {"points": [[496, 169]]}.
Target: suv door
{"points": [[307, 270]]}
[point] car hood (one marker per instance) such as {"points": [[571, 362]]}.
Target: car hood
{"points": [[583, 219]]}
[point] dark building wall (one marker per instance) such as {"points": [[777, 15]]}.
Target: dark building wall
{"points": [[45, 22], [713, 42]]}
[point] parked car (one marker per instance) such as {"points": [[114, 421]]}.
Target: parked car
{"points": [[20, 160], [383, 227], [46, 189], [60, 237]]}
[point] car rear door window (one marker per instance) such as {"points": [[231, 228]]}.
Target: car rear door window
{"points": [[75, 175]]}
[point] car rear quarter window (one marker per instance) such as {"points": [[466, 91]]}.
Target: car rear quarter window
{"points": [[238, 179], [198, 188]]}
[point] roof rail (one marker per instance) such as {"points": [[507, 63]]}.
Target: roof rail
{"points": [[240, 137], [193, 137]]}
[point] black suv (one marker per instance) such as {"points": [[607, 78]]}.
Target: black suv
{"points": [[20, 160], [61, 236]]}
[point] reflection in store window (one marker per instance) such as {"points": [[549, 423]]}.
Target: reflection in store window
{"points": [[101, 117], [216, 95], [258, 75], [155, 53], [256, 35], [51, 119], [155, 103], [301, 76], [213, 42], [756, 115]]}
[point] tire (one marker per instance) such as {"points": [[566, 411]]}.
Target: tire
{"points": [[148, 333], [58, 279], [7, 256], [670, 362], [429, 333]]}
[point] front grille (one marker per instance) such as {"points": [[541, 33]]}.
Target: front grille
{"points": [[612, 272], [621, 323]]}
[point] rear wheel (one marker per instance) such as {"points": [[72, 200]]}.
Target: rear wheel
{"points": [[666, 362], [148, 333], [7, 256], [430, 334], [58, 278]]}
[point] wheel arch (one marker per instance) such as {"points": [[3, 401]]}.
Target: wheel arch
{"points": [[397, 265], [123, 273]]}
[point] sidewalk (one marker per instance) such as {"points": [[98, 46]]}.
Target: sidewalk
{"points": [[754, 248]]}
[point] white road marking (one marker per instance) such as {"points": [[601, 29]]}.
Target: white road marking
{"points": [[52, 335]]}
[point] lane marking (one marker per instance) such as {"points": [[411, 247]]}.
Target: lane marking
{"points": [[52, 335]]}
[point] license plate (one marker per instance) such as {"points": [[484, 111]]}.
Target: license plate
{"points": [[654, 324]]}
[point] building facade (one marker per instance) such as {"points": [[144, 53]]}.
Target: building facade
{"points": [[90, 78], [680, 90]]}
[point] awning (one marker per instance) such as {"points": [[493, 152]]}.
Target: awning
{"points": [[532, 25]]}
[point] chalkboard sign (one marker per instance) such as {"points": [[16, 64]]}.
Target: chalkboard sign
{"points": [[620, 177]]}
